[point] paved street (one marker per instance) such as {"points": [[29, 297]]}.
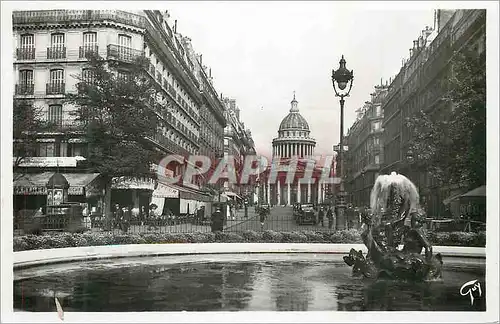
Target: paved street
{"points": [[281, 219]]}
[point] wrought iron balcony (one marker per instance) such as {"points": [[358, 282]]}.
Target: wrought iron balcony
{"points": [[56, 52], [25, 89], [86, 50], [66, 16], [122, 53], [55, 88], [170, 145], [62, 125], [25, 54]]}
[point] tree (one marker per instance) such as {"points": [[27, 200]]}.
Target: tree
{"points": [[27, 121], [115, 104], [453, 148]]}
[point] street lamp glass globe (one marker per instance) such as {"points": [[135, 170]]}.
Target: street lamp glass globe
{"points": [[342, 85]]}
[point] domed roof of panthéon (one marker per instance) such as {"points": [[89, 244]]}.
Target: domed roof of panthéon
{"points": [[294, 120]]}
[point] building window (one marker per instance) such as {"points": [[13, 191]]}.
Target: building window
{"points": [[27, 47], [55, 114], [57, 40], [27, 41], [76, 149], [89, 39], [46, 149], [125, 40], [377, 159], [57, 50], [87, 75], [56, 82], [25, 82], [89, 44]]}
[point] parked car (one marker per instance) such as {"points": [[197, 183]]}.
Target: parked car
{"points": [[306, 215]]}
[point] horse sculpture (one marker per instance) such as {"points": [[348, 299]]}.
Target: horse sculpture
{"points": [[395, 219]]}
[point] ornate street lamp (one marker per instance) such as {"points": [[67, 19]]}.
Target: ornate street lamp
{"points": [[341, 78]]}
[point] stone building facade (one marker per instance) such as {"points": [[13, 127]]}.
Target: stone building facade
{"points": [[420, 85], [365, 149], [51, 46], [238, 144]]}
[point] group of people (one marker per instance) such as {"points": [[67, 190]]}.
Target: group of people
{"points": [[330, 215], [123, 217]]}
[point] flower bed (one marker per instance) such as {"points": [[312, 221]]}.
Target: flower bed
{"points": [[62, 240]]}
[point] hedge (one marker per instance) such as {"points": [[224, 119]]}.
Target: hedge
{"points": [[63, 240]]}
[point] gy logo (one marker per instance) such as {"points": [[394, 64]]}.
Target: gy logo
{"points": [[469, 288]]}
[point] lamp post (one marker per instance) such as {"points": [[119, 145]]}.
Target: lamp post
{"points": [[363, 187], [342, 77], [219, 155], [411, 160]]}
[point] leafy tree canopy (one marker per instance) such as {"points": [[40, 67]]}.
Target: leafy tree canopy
{"points": [[27, 120], [453, 148], [114, 101]]}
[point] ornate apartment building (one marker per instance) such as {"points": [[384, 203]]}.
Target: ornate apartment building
{"points": [[365, 149], [50, 49], [238, 143], [421, 85]]}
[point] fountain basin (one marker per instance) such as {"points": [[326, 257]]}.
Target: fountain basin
{"points": [[229, 277]]}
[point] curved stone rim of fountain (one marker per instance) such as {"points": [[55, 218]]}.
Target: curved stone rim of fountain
{"points": [[35, 258]]}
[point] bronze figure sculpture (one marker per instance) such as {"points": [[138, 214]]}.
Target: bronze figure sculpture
{"points": [[395, 219]]}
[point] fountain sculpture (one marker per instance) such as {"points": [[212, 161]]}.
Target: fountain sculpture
{"points": [[395, 218]]}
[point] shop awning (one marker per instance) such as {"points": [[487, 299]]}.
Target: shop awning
{"points": [[478, 192], [35, 183], [126, 183], [191, 194]]}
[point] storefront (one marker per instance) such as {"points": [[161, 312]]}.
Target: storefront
{"points": [[134, 192], [30, 190]]}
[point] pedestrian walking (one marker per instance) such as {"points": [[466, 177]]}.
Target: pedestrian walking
{"points": [[329, 215], [217, 222], [117, 216], [262, 217], [152, 217], [125, 222], [321, 217]]}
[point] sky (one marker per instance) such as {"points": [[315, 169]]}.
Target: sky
{"points": [[261, 52]]}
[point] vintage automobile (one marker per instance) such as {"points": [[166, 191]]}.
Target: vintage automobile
{"points": [[306, 215]]}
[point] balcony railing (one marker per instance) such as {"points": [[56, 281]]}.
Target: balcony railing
{"points": [[170, 145], [61, 125], [56, 52], [25, 89], [65, 16], [86, 50], [25, 53], [55, 88], [122, 53]]}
